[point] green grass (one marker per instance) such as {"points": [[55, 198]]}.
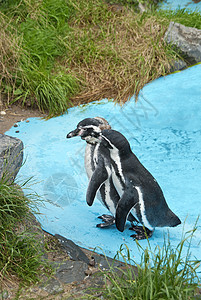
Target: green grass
{"points": [[184, 16], [38, 79], [117, 54], [56, 54], [14, 205], [20, 250], [163, 273], [20, 257]]}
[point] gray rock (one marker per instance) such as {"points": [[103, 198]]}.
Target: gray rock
{"points": [[71, 271], [52, 286], [72, 249], [187, 39], [178, 65], [11, 156], [105, 262]]}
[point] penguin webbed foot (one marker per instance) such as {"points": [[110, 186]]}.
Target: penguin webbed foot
{"points": [[108, 220], [141, 232]]}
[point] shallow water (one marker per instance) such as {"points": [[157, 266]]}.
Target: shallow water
{"points": [[164, 130]]}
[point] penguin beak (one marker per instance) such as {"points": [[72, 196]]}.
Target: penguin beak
{"points": [[73, 133]]}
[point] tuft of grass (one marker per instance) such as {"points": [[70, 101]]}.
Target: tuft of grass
{"points": [[20, 250], [183, 16], [10, 48], [116, 53], [20, 257], [40, 80], [163, 273], [49, 92], [14, 205]]}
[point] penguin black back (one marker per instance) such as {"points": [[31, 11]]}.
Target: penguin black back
{"points": [[137, 187], [112, 138]]}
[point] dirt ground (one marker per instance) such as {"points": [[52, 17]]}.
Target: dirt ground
{"points": [[9, 116]]}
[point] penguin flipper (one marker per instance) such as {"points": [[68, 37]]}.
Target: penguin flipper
{"points": [[126, 203], [97, 179]]}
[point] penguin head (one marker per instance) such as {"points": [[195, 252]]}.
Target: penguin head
{"points": [[90, 129]]}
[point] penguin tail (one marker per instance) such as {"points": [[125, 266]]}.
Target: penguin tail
{"points": [[176, 222], [173, 219]]}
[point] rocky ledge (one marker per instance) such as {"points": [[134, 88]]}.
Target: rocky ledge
{"points": [[188, 41], [11, 156]]}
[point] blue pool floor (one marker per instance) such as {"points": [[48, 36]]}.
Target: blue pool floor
{"points": [[164, 130]]}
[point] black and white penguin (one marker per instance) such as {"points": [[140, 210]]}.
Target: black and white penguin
{"points": [[89, 129], [139, 192]]}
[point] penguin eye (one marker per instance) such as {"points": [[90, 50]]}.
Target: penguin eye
{"points": [[82, 128]]}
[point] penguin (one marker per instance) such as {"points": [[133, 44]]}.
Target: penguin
{"points": [[139, 192], [107, 194]]}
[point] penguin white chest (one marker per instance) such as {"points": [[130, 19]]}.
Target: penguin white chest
{"points": [[95, 154], [88, 160], [108, 199]]}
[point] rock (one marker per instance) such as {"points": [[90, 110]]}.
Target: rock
{"points": [[88, 272], [11, 156], [92, 262], [187, 39], [178, 65], [52, 286], [105, 262], [116, 8], [3, 113], [72, 249], [71, 271]]}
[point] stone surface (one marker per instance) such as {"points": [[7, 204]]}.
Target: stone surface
{"points": [[105, 262], [74, 251], [71, 271], [52, 286], [11, 156], [187, 39], [178, 65]]}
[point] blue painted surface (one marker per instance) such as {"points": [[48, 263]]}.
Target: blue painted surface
{"points": [[164, 130], [175, 4]]}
